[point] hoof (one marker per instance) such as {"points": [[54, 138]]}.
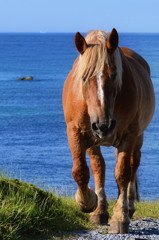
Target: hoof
{"points": [[100, 219], [119, 227], [87, 204], [85, 209]]}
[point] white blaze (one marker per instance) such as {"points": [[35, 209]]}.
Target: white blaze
{"points": [[100, 89]]}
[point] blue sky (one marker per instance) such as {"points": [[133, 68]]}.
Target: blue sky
{"points": [[79, 15]]}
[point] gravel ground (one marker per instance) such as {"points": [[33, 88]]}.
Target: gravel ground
{"points": [[143, 229]]}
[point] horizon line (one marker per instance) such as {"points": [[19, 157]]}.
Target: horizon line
{"points": [[63, 32]]}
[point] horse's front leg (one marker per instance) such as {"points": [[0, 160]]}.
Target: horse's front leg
{"points": [[100, 215], [85, 197], [119, 222], [132, 193]]}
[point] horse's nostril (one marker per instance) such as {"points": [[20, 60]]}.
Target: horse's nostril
{"points": [[103, 127], [94, 126]]}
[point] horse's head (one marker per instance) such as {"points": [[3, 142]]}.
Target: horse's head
{"points": [[100, 70]]}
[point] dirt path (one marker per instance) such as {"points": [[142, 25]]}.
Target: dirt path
{"points": [[144, 228]]}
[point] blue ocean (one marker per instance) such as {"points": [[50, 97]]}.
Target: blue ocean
{"points": [[33, 141]]}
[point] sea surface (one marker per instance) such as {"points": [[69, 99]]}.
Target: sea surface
{"points": [[33, 141]]}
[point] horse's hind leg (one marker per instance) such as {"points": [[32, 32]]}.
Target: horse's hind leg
{"points": [[100, 215], [132, 193], [85, 197]]}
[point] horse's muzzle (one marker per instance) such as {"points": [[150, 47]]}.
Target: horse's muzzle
{"points": [[105, 129]]}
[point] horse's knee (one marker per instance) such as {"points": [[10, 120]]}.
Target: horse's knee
{"points": [[122, 177], [123, 170], [81, 175]]}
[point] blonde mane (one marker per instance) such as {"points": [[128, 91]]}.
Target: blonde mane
{"points": [[95, 57]]}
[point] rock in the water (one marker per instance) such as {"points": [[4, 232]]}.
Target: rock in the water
{"points": [[26, 78]]}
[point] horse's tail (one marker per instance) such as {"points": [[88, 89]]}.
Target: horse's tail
{"points": [[137, 189]]}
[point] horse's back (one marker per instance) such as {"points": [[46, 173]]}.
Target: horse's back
{"points": [[131, 54], [138, 72]]}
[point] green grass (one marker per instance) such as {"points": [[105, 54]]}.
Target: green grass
{"points": [[27, 212], [147, 209], [144, 209]]}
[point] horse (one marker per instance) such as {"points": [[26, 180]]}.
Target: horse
{"points": [[108, 100]]}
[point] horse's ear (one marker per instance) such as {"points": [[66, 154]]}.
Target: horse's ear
{"points": [[112, 41], [80, 43]]}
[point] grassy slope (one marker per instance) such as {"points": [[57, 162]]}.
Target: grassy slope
{"points": [[26, 210]]}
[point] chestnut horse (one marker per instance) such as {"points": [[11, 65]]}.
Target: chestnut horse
{"points": [[108, 100]]}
